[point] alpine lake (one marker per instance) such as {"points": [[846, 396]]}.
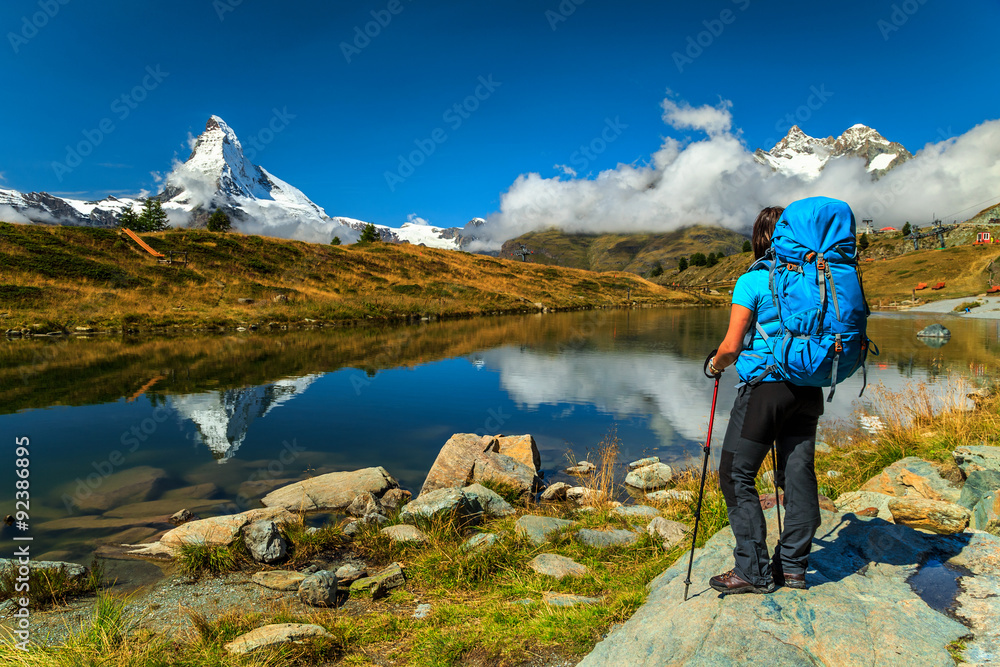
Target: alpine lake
{"points": [[125, 431]]}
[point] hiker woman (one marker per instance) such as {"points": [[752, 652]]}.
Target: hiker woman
{"points": [[767, 410]]}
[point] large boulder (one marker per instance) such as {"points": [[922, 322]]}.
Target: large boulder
{"points": [[332, 492], [521, 448], [276, 635], [858, 610], [264, 541], [935, 516], [490, 466], [977, 457], [913, 476], [453, 465], [442, 504]]}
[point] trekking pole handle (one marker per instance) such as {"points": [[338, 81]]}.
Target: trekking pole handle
{"points": [[708, 359]]}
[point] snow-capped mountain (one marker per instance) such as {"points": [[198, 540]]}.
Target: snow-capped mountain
{"points": [[420, 233], [218, 175], [801, 155], [45, 208], [224, 417]]}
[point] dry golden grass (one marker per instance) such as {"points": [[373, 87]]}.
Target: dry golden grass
{"points": [[65, 277], [927, 421]]}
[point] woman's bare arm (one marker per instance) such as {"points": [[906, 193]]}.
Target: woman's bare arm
{"points": [[729, 348]]}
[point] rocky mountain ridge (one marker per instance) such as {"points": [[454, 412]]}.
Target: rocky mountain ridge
{"points": [[801, 155]]}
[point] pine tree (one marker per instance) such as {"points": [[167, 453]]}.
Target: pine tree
{"points": [[335, 240], [153, 218], [747, 247], [698, 259], [863, 241], [712, 260], [219, 221], [369, 234], [682, 264], [128, 219], [657, 269], [907, 229]]}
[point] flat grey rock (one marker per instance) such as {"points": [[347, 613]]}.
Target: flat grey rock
{"points": [[642, 463], [554, 565], [491, 502], [538, 528], [602, 539], [441, 504], [858, 610], [651, 477]]}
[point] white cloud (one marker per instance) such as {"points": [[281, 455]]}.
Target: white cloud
{"points": [[710, 120], [415, 219], [565, 169], [715, 180]]}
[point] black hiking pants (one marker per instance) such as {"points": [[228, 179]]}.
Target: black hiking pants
{"points": [[785, 414]]}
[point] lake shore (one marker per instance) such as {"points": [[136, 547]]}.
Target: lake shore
{"points": [[444, 610]]}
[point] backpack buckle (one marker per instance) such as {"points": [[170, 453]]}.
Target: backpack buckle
{"points": [[821, 265], [809, 257], [838, 347]]}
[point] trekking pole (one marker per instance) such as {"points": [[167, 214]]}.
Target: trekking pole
{"points": [[704, 469], [774, 483]]}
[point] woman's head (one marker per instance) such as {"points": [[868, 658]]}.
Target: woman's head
{"points": [[763, 229]]}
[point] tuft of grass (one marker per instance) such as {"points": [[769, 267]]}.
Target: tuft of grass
{"points": [[968, 304], [51, 586], [196, 560], [920, 420]]}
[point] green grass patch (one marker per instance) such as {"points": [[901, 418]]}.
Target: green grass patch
{"points": [[50, 586]]}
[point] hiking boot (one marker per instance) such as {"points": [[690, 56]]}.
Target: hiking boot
{"points": [[791, 580], [730, 582]]}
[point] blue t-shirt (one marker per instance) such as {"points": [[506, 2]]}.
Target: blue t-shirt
{"points": [[753, 291]]}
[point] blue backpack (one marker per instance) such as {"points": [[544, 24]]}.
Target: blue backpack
{"points": [[817, 292]]}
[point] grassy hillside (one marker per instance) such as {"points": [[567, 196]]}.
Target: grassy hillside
{"points": [[635, 253], [963, 268], [64, 277]]}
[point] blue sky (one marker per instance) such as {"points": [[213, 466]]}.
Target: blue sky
{"points": [[556, 75]]}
